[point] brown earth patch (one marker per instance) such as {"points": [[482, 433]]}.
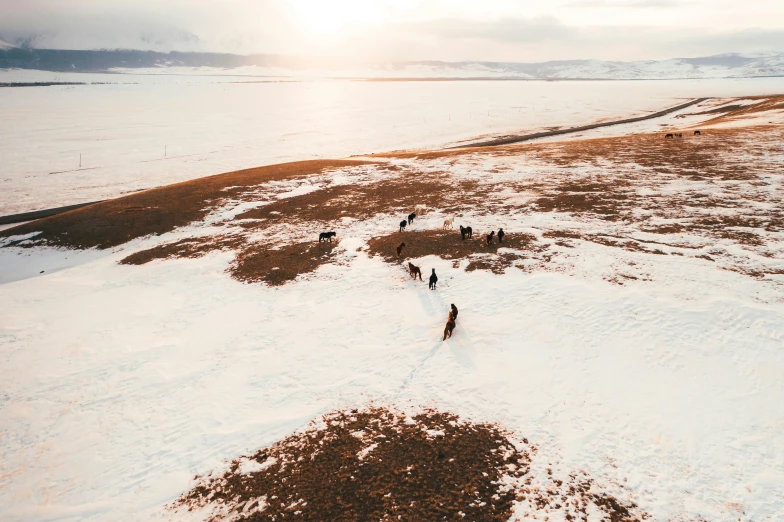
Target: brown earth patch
{"points": [[378, 464], [562, 234], [448, 245], [373, 465], [192, 247], [608, 202], [157, 211], [399, 194], [717, 110], [766, 104], [255, 262], [259, 263]]}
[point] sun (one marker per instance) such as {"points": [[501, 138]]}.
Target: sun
{"points": [[323, 16]]}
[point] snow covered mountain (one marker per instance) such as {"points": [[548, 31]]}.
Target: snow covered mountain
{"points": [[719, 66]]}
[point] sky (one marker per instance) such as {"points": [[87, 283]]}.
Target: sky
{"points": [[451, 30]]}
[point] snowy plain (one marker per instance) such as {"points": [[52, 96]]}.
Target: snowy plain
{"points": [[120, 383], [143, 131]]}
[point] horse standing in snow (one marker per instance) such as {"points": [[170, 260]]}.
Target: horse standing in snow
{"points": [[414, 271], [411, 217], [327, 235], [465, 231], [403, 225], [450, 326], [433, 280]]}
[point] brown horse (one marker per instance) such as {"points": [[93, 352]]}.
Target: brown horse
{"points": [[449, 328], [414, 271]]}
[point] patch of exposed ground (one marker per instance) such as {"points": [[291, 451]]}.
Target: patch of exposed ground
{"points": [[254, 263], [398, 194], [380, 464], [447, 244], [701, 196], [259, 263], [154, 212], [191, 247], [764, 104], [638, 193]]}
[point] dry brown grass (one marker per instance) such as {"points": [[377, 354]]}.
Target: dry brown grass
{"points": [[398, 194], [161, 210], [192, 247], [376, 465], [318, 475], [449, 246], [641, 167], [724, 185], [254, 262], [765, 104], [259, 263]]}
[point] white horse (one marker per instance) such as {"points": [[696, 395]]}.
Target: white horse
{"points": [[449, 222], [420, 210]]}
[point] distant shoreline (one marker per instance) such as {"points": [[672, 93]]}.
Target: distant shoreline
{"points": [[547, 134]]}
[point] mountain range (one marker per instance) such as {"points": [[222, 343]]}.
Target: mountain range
{"points": [[122, 60]]}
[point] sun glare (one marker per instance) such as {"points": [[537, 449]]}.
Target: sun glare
{"points": [[331, 16]]}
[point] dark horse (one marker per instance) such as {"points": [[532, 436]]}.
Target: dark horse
{"points": [[326, 235]]}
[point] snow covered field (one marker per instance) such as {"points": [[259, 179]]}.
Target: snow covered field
{"points": [[146, 131], [638, 340]]}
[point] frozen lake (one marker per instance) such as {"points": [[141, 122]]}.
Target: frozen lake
{"points": [[143, 131]]}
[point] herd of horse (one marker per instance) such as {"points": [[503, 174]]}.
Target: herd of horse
{"points": [[673, 135], [415, 271]]}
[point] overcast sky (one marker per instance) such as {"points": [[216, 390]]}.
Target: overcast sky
{"points": [[496, 30]]}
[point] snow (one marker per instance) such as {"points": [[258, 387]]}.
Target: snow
{"points": [[145, 131], [366, 451], [120, 383], [248, 466]]}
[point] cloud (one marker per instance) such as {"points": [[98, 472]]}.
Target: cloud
{"points": [[498, 30], [504, 29], [546, 38]]}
